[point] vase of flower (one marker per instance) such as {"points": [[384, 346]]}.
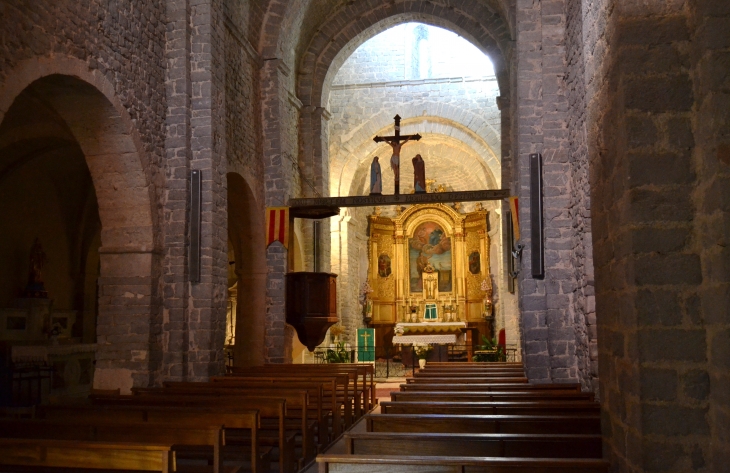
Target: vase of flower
{"points": [[422, 351]]}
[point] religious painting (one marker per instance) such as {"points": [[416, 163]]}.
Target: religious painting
{"points": [[475, 263], [384, 268], [430, 244]]}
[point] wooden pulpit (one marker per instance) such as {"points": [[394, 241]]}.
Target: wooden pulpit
{"points": [[311, 305]]}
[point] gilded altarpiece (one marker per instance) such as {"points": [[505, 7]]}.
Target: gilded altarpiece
{"points": [[455, 245]]}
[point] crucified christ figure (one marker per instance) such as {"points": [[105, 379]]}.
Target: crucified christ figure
{"points": [[396, 142]]}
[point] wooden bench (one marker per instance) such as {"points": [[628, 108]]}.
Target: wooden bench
{"points": [[77, 455], [332, 463], [491, 408], [233, 419], [310, 407], [489, 387], [474, 445], [468, 374], [485, 396], [297, 402], [180, 435], [335, 387], [366, 370], [508, 424], [466, 380], [268, 408]]}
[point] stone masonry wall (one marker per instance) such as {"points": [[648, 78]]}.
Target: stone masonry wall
{"points": [[658, 182], [583, 302], [551, 316]]}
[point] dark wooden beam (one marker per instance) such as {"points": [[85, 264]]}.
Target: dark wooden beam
{"points": [[324, 207]]}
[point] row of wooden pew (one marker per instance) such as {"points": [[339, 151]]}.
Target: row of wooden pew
{"points": [[253, 420], [476, 417]]}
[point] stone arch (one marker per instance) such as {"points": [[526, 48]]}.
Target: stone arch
{"points": [[245, 232], [85, 101], [330, 47]]}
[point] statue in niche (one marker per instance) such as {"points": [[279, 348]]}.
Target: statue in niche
{"points": [[419, 175], [376, 178], [38, 260]]}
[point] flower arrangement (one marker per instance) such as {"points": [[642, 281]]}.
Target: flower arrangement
{"points": [[337, 330], [422, 350], [485, 285]]}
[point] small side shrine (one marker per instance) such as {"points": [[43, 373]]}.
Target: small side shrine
{"points": [[429, 271]]}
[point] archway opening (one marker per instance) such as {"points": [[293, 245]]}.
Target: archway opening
{"points": [[445, 89], [71, 176], [247, 276]]}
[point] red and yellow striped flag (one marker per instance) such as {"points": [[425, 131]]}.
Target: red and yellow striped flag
{"points": [[277, 225], [514, 206]]}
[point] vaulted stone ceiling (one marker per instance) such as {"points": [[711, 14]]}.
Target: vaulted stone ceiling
{"points": [[316, 34]]}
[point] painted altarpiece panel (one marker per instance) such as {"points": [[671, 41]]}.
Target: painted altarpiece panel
{"points": [[456, 245]]}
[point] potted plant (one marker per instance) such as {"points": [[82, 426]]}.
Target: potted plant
{"points": [[422, 350], [338, 354], [489, 351]]}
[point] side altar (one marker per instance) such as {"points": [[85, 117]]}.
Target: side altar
{"points": [[430, 277]]}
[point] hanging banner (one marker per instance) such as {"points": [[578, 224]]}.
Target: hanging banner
{"points": [[514, 206], [277, 225], [366, 344]]}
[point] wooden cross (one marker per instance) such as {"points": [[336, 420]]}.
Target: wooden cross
{"points": [[395, 142]]}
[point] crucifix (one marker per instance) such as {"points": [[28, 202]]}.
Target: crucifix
{"points": [[396, 142], [365, 337]]}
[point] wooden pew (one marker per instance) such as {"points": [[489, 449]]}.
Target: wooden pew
{"points": [[77, 455], [476, 364], [180, 435], [466, 380], [233, 418], [491, 408], [366, 370], [508, 424], [468, 374], [297, 403], [474, 445], [268, 408], [502, 387], [338, 387], [488, 396], [304, 399], [332, 463]]}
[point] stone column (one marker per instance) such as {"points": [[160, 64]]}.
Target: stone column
{"points": [[195, 312], [547, 322]]}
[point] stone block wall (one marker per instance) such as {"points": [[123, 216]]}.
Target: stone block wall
{"points": [[554, 309], [661, 281]]}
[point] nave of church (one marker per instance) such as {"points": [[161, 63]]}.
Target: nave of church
{"points": [[289, 190]]}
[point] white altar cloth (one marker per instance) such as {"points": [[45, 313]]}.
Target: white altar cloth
{"points": [[440, 339]]}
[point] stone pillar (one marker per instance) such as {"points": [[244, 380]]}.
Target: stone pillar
{"points": [[281, 182], [549, 341], [660, 206], [124, 358], [193, 330]]}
